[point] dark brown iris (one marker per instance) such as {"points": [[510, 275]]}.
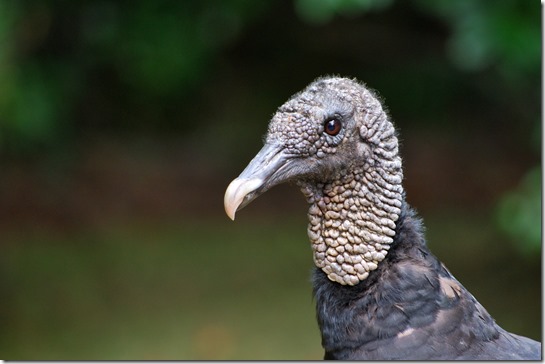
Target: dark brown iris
{"points": [[332, 127]]}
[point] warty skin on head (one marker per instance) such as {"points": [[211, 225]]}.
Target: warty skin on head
{"points": [[380, 293]]}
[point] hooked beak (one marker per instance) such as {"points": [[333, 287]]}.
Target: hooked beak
{"points": [[268, 168]]}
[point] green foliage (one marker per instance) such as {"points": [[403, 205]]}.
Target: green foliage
{"points": [[519, 213], [507, 38], [51, 51], [160, 47], [37, 93], [507, 33], [40, 101], [320, 12], [156, 50]]}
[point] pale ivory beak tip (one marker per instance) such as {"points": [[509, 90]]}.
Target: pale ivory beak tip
{"points": [[230, 213], [229, 200], [237, 190]]}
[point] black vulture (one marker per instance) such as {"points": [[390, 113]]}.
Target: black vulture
{"points": [[380, 293]]}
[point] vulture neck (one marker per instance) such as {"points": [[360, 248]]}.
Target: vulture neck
{"points": [[352, 219]]}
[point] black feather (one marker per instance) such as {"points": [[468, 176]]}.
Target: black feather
{"points": [[401, 311]]}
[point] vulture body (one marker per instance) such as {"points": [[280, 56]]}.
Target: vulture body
{"points": [[380, 293]]}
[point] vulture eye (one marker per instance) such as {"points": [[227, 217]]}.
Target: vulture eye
{"points": [[332, 126]]}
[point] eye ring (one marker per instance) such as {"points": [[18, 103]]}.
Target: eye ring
{"points": [[332, 127]]}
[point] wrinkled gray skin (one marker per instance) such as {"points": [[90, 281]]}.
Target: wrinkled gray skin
{"points": [[380, 293]]}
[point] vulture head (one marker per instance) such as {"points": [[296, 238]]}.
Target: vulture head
{"points": [[335, 141]]}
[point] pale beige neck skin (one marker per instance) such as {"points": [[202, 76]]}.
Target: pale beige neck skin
{"points": [[352, 219]]}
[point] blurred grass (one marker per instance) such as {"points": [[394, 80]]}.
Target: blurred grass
{"points": [[218, 290], [161, 292]]}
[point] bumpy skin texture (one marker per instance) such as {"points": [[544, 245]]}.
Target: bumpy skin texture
{"points": [[355, 200], [380, 293]]}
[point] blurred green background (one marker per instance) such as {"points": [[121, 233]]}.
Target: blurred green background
{"points": [[122, 123]]}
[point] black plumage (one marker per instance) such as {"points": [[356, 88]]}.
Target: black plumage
{"points": [[380, 293], [411, 308]]}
